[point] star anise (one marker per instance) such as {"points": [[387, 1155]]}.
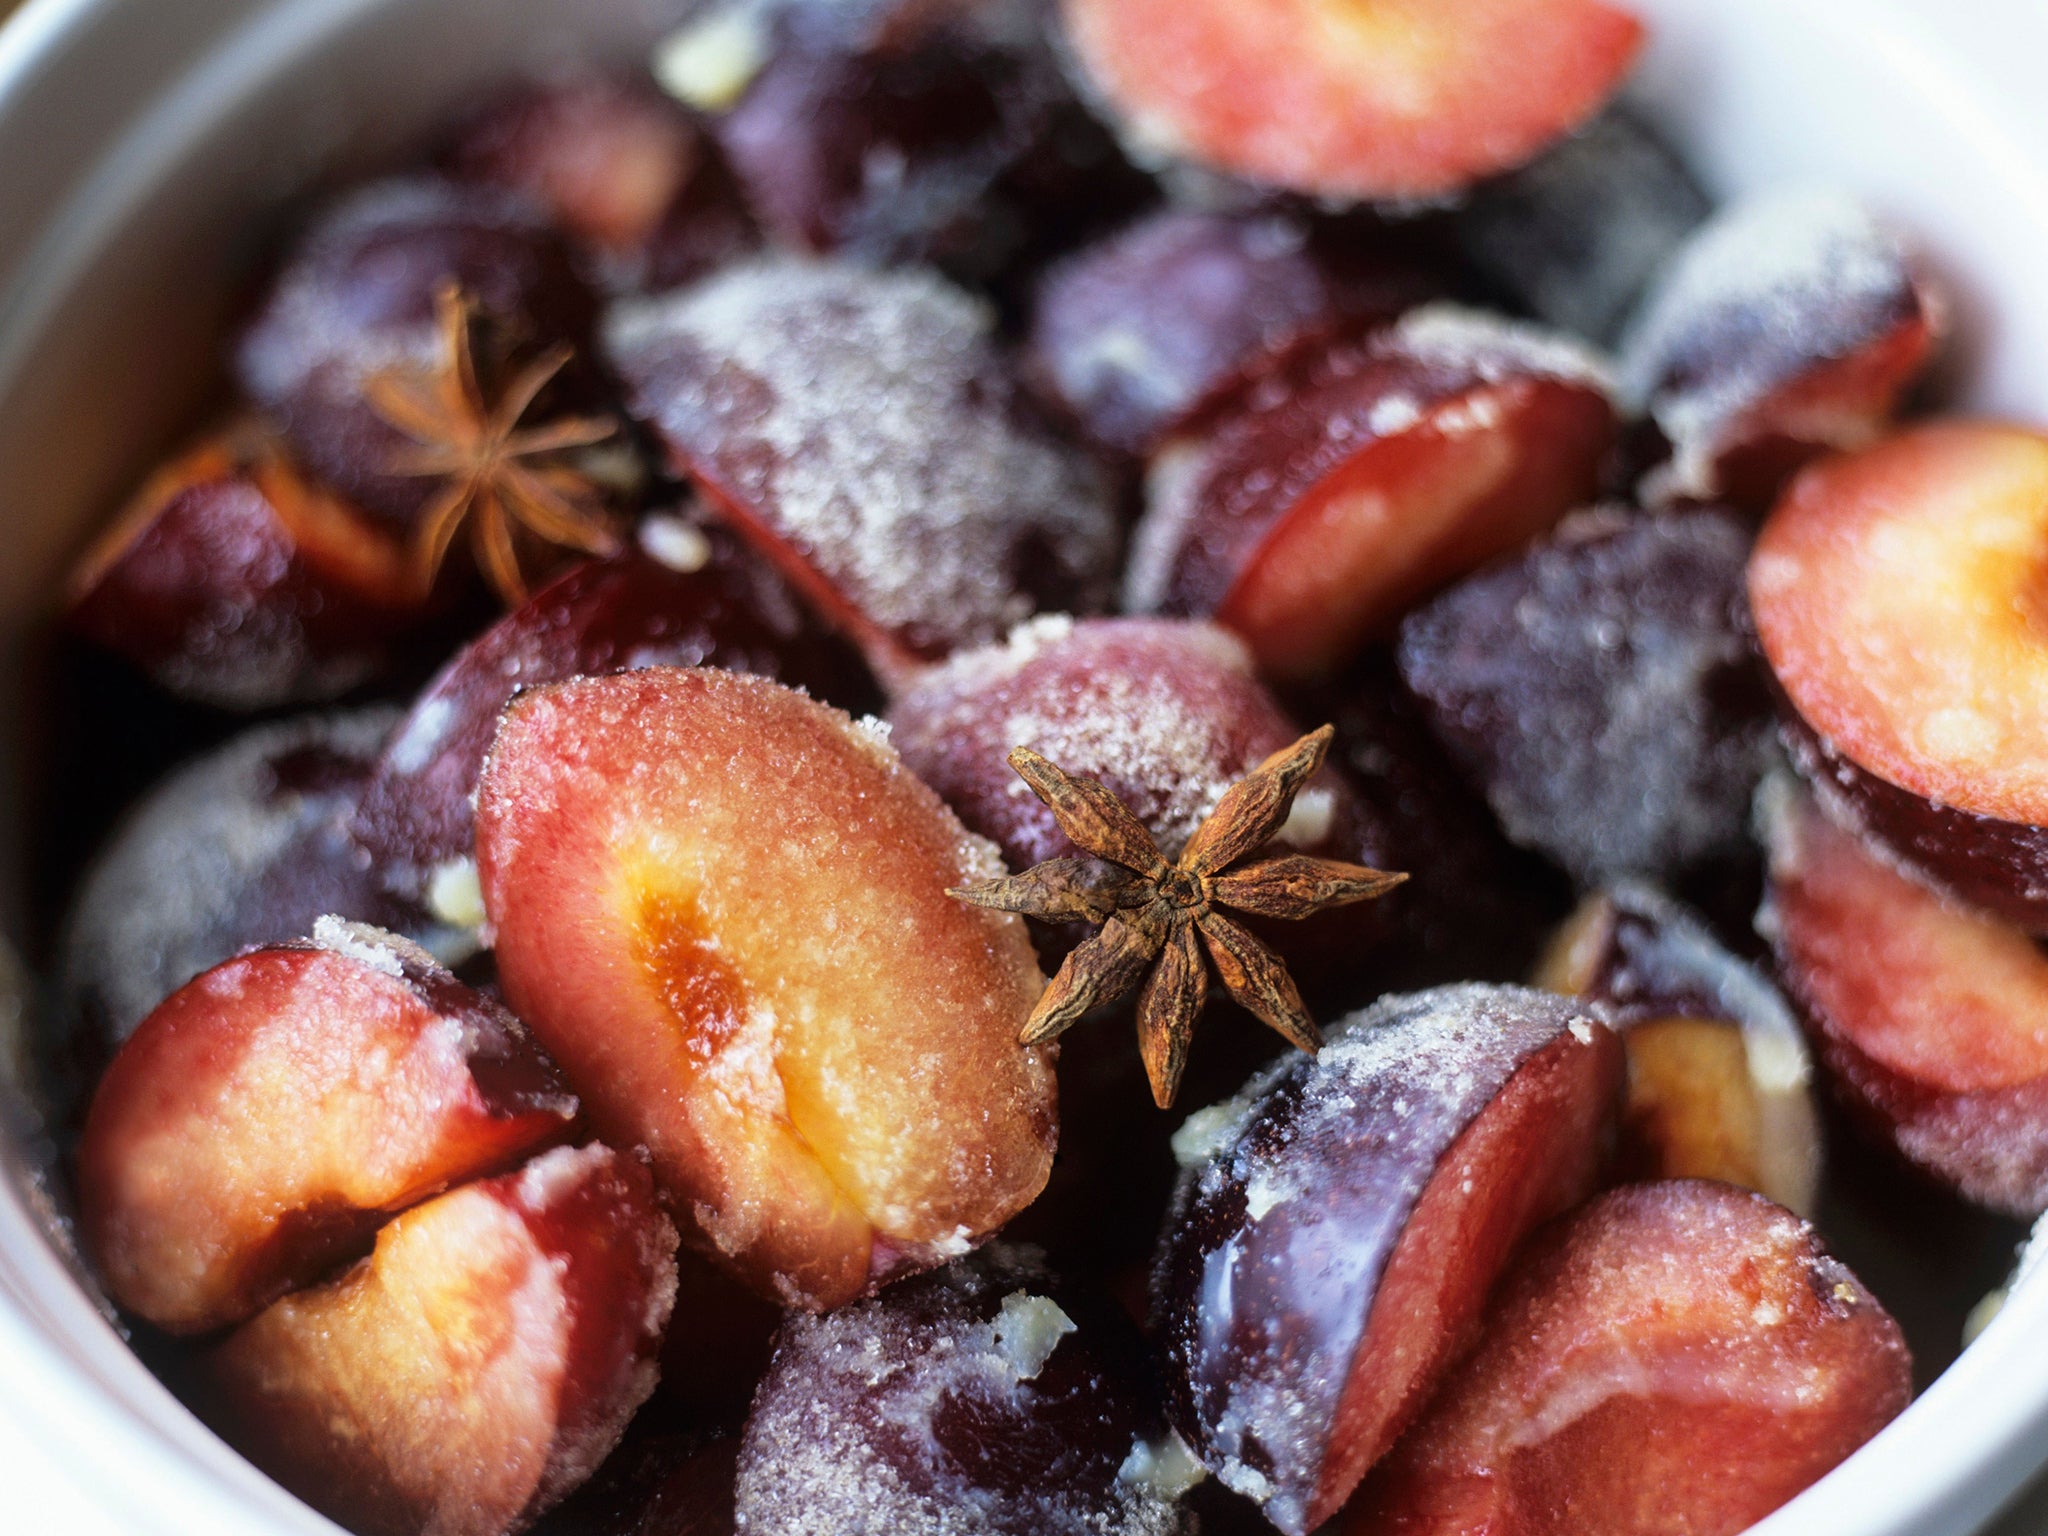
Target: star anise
{"points": [[499, 475], [1157, 917]]}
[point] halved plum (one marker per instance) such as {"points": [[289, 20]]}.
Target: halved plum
{"points": [[1311, 514], [1342, 1220], [723, 906], [1342, 100], [1930, 1018], [270, 1115], [685, 594], [967, 1400], [1676, 1356], [863, 431], [234, 582], [1720, 1085], [1602, 691], [1790, 325], [1132, 334], [1895, 596], [475, 1368]]}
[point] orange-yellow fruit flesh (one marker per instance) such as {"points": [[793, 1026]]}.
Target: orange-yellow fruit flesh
{"points": [[1354, 98], [445, 1385], [268, 1112], [1692, 1108], [1898, 594], [723, 906]]}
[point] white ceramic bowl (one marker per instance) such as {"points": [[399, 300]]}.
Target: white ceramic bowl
{"points": [[146, 147]]}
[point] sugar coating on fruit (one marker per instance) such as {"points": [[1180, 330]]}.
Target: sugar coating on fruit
{"points": [[908, 1415], [1768, 289], [1495, 349], [864, 417], [1601, 690], [1396, 1084], [775, 995], [230, 850], [1165, 1466], [1168, 713], [380, 951]]}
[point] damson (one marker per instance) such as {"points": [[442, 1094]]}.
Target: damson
{"points": [[1340, 1222], [967, 1402]]}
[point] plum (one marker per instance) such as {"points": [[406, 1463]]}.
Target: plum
{"points": [[244, 846], [1791, 324], [232, 581], [268, 1117], [1341, 1220], [1134, 333], [1312, 512], [687, 593], [723, 906], [357, 296], [1720, 1085], [1675, 1356], [970, 1400], [1929, 1019], [1344, 102], [475, 1368], [1893, 594], [862, 430], [1601, 689]]}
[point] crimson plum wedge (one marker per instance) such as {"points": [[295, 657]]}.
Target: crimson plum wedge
{"points": [[723, 906], [1720, 1085], [968, 1401], [476, 1367], [1341, 1221], [1602, 691], [1789, 325], [862, 429], [1896, 597], [1309, 514], [1930, 1018], [685, 595], [234, 582], [269, 1115], [1133, 333], [1341, 100], [1675, 1357]]}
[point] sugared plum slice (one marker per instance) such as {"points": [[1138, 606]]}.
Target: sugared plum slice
{"points": [[1340, 100], [265, 1119], [1342, 1220], [723, 906], [862, 430], [1601, 690], [1791, 324], [233, 582], [245, 846], [1136, 331], [1894, 592], [686, 594], [1309, 517], [968, 1401], [884, 131], [1720, 1086], [357, 296], [476, 1367], [1676, 1356], [1576, 235], [1930, 1019]]}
